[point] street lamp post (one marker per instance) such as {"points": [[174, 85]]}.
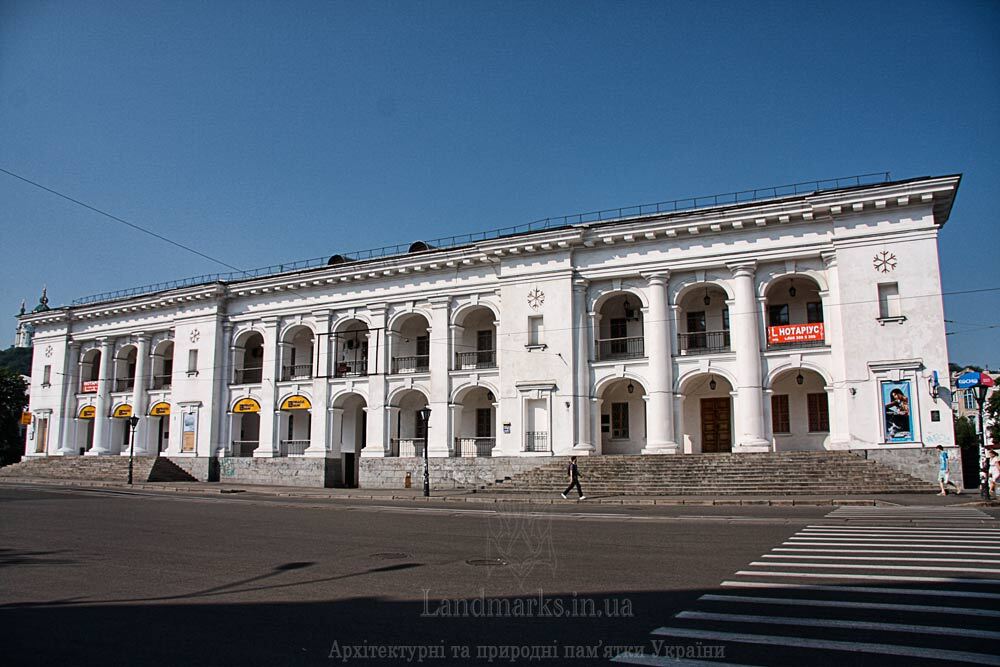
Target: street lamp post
{"points": [[425, 417], [133, 421]]}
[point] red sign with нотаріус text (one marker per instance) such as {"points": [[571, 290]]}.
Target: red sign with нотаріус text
{"points": [[795, 333]]}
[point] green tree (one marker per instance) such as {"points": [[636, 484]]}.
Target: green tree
{"points": [[13, 401], [17, 359], [992, 416], [965, 434]]}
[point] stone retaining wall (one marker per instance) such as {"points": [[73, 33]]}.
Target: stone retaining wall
{"points": [[446, 473], [307, 472], [919, 462]]}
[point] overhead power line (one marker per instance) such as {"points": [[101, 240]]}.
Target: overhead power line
{"points": [[120, 220]]}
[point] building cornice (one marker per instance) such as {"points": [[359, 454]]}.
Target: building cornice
{"points": [[821, 206]]}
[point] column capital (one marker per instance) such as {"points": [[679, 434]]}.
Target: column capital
{"points": [[580, 284], [439, 301], [743, 269], [829, 259], [661, 277]]}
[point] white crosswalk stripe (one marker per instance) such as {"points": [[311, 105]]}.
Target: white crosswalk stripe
{"points": [[899, 583]]}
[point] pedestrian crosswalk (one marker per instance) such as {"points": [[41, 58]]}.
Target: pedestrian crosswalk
{"points": [[866, 585]]}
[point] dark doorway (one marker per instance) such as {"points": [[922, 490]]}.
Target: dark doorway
{"points": [[716, 425], [350, 470]]}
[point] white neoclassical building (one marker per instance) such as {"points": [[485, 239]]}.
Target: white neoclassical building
{"points": [[807, 318]]}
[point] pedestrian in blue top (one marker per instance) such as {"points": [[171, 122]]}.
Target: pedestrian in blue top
{"points": [[943, 477]]}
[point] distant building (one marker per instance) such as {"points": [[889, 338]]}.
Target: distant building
{"points": [[808, 318], [964, 402]]}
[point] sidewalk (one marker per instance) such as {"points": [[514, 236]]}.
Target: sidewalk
{"points": [[486, 497]]}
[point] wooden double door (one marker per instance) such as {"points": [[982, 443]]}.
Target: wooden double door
{"points": [[716, 425]]}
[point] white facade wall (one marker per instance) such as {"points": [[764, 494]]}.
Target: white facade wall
{"points": [[554, 393]]}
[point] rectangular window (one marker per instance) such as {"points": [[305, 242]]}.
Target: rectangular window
{"points": [[192, 361], [619, 327], [484, 423], [423, 346], [777, 315], [619, 421], [696, 321], [484, 340], [888, 300], [814, 312], [819, 415], [969, 397], [780, 420], [725, 318], [46, 376], [536, 330]]}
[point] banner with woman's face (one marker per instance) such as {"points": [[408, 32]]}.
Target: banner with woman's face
{"points": [[896, 411]]}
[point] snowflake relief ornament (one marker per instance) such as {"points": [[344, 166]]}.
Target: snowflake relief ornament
{"points": [[536, 298], [884, 261], [195, 335]]}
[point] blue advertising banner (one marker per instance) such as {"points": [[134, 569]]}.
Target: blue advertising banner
{"points": [[896, 408], [966, 380]]}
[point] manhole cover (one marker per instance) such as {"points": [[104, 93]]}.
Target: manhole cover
{"points": [[486, 562], [390, 555]]}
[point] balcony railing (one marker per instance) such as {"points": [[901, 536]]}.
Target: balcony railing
{"points": [[345, 369], [474, 446], [620, 348], [703, 342], [247, 375], [161, 381], [293, 447], [796, 346], [416, 364], [472, 360], [243, 448], [406, 447], [296, 372], [536, 441], [124, 384]]}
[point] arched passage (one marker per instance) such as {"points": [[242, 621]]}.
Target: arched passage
{"points": [[297, 354], [474, 421], [248, 358], [706, 413], [619, 327], [350, 433], [475, 339], [408, 432], [800, 414], [623, 416], [794, 313]]}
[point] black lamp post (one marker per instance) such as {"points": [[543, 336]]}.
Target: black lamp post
{"points": [[425, 417], [133, 421]]}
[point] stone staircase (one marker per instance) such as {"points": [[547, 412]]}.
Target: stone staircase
{"points": [[98, 468], [783, 473]]}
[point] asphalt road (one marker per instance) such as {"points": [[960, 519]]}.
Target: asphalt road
{"points": [[110, 577]]}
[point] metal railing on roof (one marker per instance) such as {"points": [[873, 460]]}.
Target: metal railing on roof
{"points": [[542, 224]]}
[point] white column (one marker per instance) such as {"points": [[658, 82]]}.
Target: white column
{"points": [[659, 332], [139, 396], [749, 411], [583, 442], [268, 391], [67, 433], [377, 438], [595, 424], [101, 430], [839, 394], [439, 433], [320, 443]]}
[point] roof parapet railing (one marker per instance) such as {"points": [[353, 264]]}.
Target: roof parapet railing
{"points": [[542, 224]]}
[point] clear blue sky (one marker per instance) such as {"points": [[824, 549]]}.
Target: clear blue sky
{"points": [[261, 132]]}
